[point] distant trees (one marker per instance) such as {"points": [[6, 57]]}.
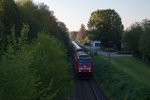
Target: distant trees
{"points": [[81, 35], [144, 43], [132, 37], [73, 35], [137, 39], [105, 25]]}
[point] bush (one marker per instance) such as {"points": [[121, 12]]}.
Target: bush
{"points": [[17, 81], [124, 52], [51, 66]]}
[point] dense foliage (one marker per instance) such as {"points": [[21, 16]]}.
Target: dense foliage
{"points": [[132, 36], [105, 25], [34, 70], [38, 17], [33, 52]]}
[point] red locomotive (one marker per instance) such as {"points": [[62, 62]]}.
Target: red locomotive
{"points": [[83, 61]]}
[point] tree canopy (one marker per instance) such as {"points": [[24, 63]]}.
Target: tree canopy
{"points": [[144, 43], [105, 25], [9, 14], [33, 70], [132, 37], [137, 39], [37, 16]]}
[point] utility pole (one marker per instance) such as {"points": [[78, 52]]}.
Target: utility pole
{"points": [[109, 50], [90, 48], [109, 64]]}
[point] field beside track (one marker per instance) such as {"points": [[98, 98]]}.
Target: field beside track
{"points": [[134, 68], [129, 77]]}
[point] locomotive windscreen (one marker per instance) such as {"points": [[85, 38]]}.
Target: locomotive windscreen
{"points": [[84, 62]]}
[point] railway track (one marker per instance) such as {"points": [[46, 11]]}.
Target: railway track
{"points": [[88, 90]]}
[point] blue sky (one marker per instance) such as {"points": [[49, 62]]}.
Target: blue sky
{"points": [[76, 12]]}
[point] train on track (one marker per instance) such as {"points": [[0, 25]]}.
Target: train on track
{"points": [[83, 62]]}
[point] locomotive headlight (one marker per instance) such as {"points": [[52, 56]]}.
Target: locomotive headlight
{"points": [[88, 68], [80, 68]]}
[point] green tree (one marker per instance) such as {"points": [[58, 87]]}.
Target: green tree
{"points": [[62, 26], [63, 35], [17, 81], [107, 26], [33, 70], [49, 20], [51, 66], [9, 16], [131, 37], [31, 16], [144, 43]]}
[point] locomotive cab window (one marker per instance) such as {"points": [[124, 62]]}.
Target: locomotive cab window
{"points": [[84, 62]]}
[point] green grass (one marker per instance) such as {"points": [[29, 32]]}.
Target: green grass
{"points": [[130, 77], [134, 68]]}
